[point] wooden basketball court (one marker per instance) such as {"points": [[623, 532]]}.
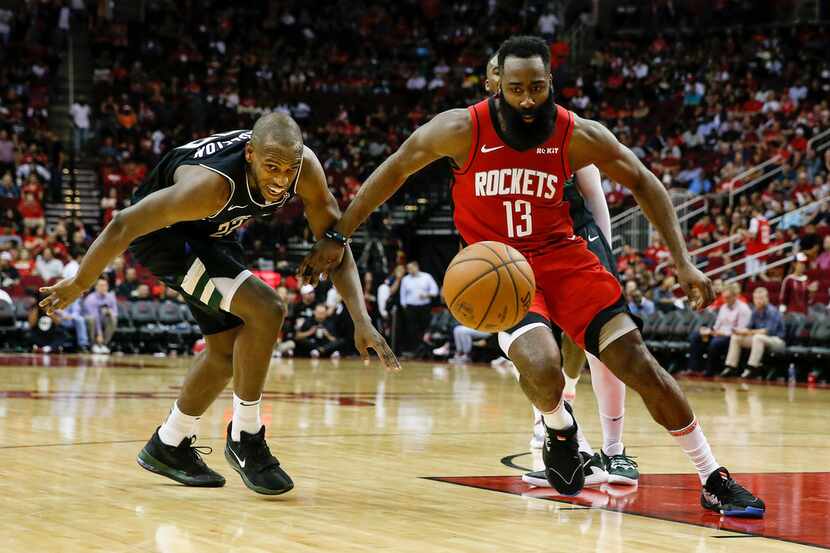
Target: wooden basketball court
{"points": [[421, 461]]}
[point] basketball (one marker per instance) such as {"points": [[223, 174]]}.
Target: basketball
{"points": [[489, 286]]}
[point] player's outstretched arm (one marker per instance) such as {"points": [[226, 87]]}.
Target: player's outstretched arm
{"points": [[448, 134], [593, 143], [198, 193], [322, 213]]}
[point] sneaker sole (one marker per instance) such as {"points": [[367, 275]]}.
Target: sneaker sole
{"points": [[622, 480], [594, 480], [746, 512], [250, 485], [150, 463]]}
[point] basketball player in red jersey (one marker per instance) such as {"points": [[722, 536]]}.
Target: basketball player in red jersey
{"points": [[512, 155], [591, 221]]}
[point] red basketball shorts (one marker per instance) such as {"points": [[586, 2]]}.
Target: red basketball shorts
{"points": [[574, 291]]}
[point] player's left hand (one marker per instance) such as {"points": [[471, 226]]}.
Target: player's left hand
{"points": [[324, 256], [60, 295], [698, 287], [366, 336]]}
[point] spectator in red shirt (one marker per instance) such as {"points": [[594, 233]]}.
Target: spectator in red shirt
{"points": [[703, 226], [31, 211], [802, 193], [656, 253], [33, 186], [795, 288], [24, 264]]}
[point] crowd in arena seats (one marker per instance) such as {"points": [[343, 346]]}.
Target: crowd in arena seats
{"points": [[700, 108]]}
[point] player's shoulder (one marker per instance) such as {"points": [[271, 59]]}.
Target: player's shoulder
{"points": [[457, 121], [312, 173], [211, 186], [588, 129]]}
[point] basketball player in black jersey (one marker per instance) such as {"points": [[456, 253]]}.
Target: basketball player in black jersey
{"points": [[182, 226]]}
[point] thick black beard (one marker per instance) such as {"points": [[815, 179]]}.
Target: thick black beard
{"points": [[522, 135]]}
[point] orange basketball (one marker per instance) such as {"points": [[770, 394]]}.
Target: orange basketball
{"points": [[489, 286]]}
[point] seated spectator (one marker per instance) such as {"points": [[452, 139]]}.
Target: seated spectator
{"points": [[142, 292], [316, 336], [304, 310], [795, 288], [766, 329], [464, 338], [101, 310], [72, 317], [8, 189], [9, 277], [47, 266], [713, 342], [72, 266], [47, 335], [11, 222], [823, 259], [24, 264], [640, 305], [31, 211], [664, 295], [127, 289]]}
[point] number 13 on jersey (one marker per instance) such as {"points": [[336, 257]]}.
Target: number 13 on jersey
{"points": [[522, 225]]}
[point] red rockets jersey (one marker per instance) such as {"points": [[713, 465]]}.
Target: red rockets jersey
{"points": [[514, 196]]}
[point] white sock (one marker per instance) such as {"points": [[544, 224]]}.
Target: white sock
{"points": [[178, 426], [569, 391], [610, 393], [696, 447], [245, 417], [558, 418]]}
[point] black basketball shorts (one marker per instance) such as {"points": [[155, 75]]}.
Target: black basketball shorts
{"points": [[207, 272]]}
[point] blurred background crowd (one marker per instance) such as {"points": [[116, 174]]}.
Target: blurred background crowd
{"points": [[730, 118]]}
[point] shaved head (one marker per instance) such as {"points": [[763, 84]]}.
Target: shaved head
{"points": [[277, 130], [274, 155]]}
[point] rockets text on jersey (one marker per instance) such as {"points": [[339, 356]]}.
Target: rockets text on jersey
{"points": [[513, 196]]}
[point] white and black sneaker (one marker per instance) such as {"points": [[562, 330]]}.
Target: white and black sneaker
{"points": [[252, 459], [592, 468], [563, 463]]}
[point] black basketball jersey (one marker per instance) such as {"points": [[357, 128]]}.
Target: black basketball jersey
{"points": [[224, 154], [580, 214]]}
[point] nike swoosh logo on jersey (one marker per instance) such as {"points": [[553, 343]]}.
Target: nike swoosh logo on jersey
{"points": [[238, 460], [486, 150], [592, 238], [231, 208]]}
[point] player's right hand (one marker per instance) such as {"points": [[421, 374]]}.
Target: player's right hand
{"points": [[698, 287], [60, 295], [325, 256]]}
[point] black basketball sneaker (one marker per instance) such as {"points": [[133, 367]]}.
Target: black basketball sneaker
{"points": [[252, 459], [725, 496], [182, 463], [592, 468], [563, 464]]}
